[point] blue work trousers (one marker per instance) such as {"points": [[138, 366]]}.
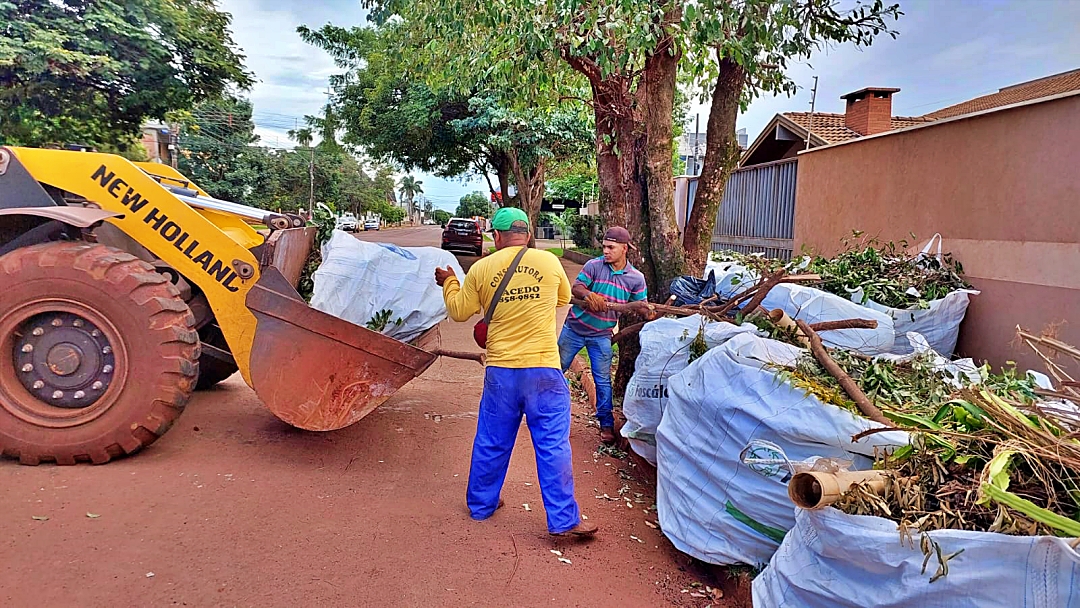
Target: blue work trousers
{"points": [[541, 394], [599, 349]]}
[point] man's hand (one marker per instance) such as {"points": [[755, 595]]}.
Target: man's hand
{"points": [[441, 275], [595, 302]]}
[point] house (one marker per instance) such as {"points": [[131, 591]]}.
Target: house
{"points": [[758, 212], [868, 112], [999, 185], [159, 139]]}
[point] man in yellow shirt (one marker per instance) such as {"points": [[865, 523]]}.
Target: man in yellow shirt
{"points": [[523, 375]]}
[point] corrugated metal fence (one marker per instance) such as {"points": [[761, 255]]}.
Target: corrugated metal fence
{"points": [[758, 212]]}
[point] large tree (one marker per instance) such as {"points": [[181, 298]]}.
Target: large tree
{"points": [[409, 187], [218, 149], [630, 52], [92, 72], [532, 140], [393, 114]]}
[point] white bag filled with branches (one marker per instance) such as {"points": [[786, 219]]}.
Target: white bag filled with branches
{"points": [[834, 560], [712, 505], [383, 287], [813, 306], [666, 348], [939, 322]]}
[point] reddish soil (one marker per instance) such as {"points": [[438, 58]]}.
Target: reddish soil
{"points": [[234, 508]]}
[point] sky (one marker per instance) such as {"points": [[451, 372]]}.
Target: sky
{"points": [[947, 51]]}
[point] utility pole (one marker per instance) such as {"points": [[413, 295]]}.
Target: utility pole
{"points": [[810, 126]]}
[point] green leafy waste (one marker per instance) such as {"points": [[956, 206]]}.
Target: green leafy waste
{"points": [[986, 456], [885, 272], [323, 219], [382, 319]]}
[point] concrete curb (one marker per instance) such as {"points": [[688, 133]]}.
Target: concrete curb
{"points": [[575, 257]]}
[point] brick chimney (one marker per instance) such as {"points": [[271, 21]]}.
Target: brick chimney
{"points": [[869, 110]]}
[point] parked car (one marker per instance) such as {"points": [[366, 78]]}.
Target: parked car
{"points": [[371, 225], [346, 222], [463, 234]]}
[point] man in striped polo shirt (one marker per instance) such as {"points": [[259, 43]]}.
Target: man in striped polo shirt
{"points": [[607, 279]]}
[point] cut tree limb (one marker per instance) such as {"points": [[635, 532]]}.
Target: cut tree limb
{"points": [[844, 324], [480, 358], [867, 408]]}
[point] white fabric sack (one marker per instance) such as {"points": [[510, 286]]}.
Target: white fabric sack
{"points": [[711, 505], [940, 323], [813, 306], [834, 560], [665, 351], [357, 280]]}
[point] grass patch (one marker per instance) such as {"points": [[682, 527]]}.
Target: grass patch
{"points": [[258, 226], [556, 250], [589, 251], [491, 250], [487, 237]]}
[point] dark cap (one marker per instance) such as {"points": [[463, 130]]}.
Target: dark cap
{"points": [[618, 234]]}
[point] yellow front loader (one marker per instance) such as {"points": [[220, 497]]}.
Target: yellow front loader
{"points": [[123, 286]]}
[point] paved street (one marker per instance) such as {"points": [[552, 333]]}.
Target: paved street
{"points": [[234, 508]]}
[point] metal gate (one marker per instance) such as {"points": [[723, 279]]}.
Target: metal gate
{"points": [[758, 211]]}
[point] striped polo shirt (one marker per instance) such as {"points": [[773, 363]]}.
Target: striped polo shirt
{"points": [[619, 286]]}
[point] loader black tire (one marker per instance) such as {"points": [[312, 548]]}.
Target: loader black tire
{"points": [[56, 293], [213, 370]]}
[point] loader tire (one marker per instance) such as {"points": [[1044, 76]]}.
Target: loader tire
{"points": [[213, 369], [98, 353]]}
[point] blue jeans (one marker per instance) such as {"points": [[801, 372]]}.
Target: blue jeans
{"points": [[599, 349], [541, 394]]}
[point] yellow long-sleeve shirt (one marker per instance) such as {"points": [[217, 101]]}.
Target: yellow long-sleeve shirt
{"points": [[523, 330]]}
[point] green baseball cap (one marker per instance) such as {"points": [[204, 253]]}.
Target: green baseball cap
{"points": [[504, 220]]}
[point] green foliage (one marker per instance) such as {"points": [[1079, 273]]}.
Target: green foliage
{"points": [[889, 275], [577, 182], [323, 219], [219, 152], [217, 148], [532, 137], [585, 230], [474, 204], [390, 110], [392, 214], [410, 187], [382, 319], [441, 217], [92, 72]]}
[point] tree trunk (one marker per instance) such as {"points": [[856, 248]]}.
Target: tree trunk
{"points": [[530, 186], [721, 158], [661, 231]]}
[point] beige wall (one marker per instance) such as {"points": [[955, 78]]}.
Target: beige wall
{"points": [[1003, 189]]}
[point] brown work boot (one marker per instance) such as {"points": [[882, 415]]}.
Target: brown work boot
{"points": [[607, 435], [582, 530]]}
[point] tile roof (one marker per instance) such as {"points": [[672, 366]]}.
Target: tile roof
{"points": [[1025, 91], [830, 127]]}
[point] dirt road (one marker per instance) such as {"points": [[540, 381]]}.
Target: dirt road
{"points": [[234, 508]]}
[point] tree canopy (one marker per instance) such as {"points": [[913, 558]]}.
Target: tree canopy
{"points": [[474, 204], [73, 71], [220, 152]]}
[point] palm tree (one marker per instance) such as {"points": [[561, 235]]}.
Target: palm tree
{"points": [[410, 187], [429, 208], [304, 136]]}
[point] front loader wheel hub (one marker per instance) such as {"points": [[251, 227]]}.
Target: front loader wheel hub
{"points": [[63, 359]]}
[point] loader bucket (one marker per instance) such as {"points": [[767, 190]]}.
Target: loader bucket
{"points": [[316, 371]]}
